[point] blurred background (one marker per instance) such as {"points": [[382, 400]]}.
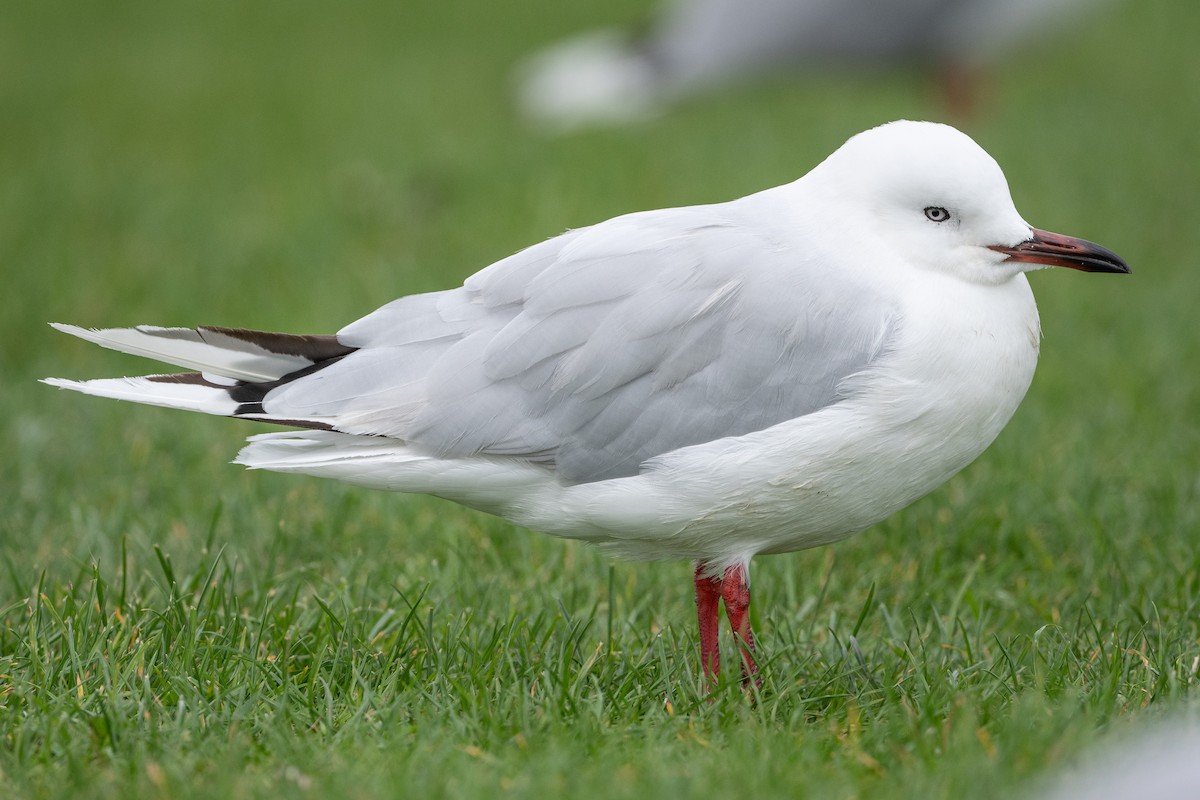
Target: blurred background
{"points": [[293, 165]]}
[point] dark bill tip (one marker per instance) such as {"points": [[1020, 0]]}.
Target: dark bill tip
{"points": [[1056, 250]]}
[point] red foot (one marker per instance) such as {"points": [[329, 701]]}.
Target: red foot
{"points": [[734, 588]]}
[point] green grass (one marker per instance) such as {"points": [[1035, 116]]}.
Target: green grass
{"points": [[173, 627]]}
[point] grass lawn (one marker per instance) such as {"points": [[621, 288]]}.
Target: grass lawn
{"points": [[173, 627]]}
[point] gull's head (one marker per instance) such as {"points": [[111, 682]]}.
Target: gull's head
{"points": [[930, 195]]}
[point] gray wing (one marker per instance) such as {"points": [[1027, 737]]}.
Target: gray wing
{"points": [[604, 347]]}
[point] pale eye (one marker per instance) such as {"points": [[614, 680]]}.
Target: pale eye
{"points": [[936, 214]]}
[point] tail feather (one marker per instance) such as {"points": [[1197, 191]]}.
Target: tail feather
{"points": [[379, 462], [371, 461]]}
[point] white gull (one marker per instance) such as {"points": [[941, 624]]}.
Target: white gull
{"points": [[714, 382]]}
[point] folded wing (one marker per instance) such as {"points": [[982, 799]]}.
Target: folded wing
{"points": [[589, 353]]}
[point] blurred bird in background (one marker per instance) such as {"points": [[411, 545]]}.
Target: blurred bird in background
{"points": [[1156, 761], [613, 77]]}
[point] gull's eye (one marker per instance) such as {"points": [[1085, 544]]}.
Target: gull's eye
{"points": [[936, 214]]}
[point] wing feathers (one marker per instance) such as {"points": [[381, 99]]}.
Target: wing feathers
{"points": [[154, 390], [230, 352], [588, 355], [238, 368]]}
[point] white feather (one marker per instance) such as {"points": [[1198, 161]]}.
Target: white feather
{"points": [[190, 397], [208, 352]]}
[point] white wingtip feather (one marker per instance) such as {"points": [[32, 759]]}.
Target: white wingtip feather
{"points": [[188, 348], [190, 397]]}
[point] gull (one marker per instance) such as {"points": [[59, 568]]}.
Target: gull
{"points": [[610, 76], [710, 383]]}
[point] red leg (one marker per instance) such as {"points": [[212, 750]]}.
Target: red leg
{"points": [[708, 600], [735, 589]]}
